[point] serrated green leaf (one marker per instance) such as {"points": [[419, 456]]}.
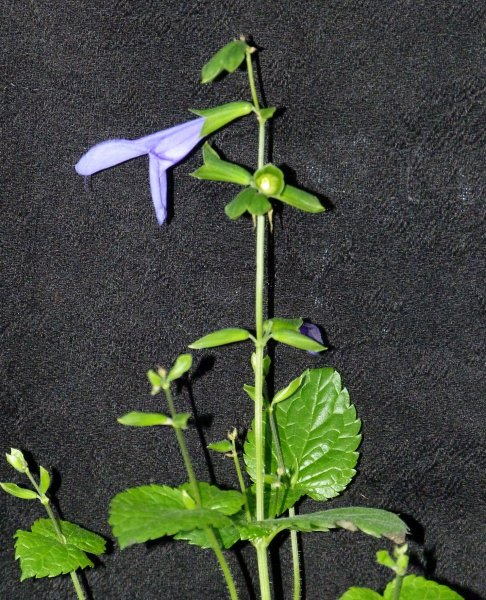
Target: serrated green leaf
{"points": [[181, 365], [319, 434], [297, 340], [45, 480], [219, 116], [222, 446], [216, 169], [300, 199], [228, 58], [372, 521], [227, 537], [144, 419], [419, 588], [19, 492], [41, 554], [149, 512], [356, 593], [221, 338]]}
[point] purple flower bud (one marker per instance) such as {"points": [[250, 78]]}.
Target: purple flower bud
{"points": [[310, 330]]}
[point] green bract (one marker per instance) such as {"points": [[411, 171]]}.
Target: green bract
{"points": [[269, 180], [248, 200], [216, 169], [19, 492], [219, 116], [17, 461], [221, 338], [300, 199], [229, 58]]}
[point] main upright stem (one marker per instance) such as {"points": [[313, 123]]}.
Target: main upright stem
{"points": [[261, 545]]}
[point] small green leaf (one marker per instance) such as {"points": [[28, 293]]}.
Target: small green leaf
{"points": [[222, 446], [180, 420], [250, 390], [372, 521], [239, 204], [267, 113], [19, 492], [221, 338], [155, 381], [269, 180], [300, 199], [219, 116], [297, 340], [289, 390], [419, 588], [144, 419], [259, 205], [277, 324], [228, 58], [356, 593], [383, 558], [182, 364], [45, 480], [216, 169], [17, 461], [151, 511], [41, 554]]}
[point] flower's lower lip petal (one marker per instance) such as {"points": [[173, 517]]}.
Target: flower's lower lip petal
{"points": [[108, 154], [158, 188], [178, 141]]}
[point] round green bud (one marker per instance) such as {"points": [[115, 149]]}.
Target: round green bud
{"points": [[269, 180]]}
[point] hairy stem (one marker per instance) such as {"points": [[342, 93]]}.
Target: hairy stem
{"points": [[55, 524], [213, 541]]}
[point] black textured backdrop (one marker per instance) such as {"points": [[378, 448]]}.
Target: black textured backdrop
{"points": [[384, 115]]}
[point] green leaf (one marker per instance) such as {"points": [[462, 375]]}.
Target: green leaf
{"points": [[221, 338], [278, 324], [221, 446], [182, 364], [297, 340], [356, 593], [19, 492], [216, 169], [300, 199], [149, 512], [250, 390], [229, 58], [227, 502], [155, 381], [419, 588], [372, 521], [292, 387], [267, 113], [269, 180], [180, 420], [239, 204], [144, 419], [219, 116], [41, 554], [45, 480], [319, 434]]}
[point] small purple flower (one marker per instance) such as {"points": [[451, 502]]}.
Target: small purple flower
{"points": [[310, 330], [164, 148]]}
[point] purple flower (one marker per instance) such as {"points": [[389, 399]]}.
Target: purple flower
{"points": [[164, 148], [310, 330]]}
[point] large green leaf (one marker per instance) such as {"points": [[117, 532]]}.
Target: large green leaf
{"points": [[152, 511], [41, 554], [419, 588], [319, 434], [373, 521], [356, 593]]}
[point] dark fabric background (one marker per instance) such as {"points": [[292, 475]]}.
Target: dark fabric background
{"points": [[384, 115]]}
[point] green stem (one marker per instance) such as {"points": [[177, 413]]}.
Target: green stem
{"points": [[398, 587], [241, 480], [55, 524], [295, 558], [197, 498]]}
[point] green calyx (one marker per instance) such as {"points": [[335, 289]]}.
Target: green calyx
{"points": [[269, 180]]}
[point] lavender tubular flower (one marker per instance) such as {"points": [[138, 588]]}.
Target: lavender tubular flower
{"points": [[164, 148]]}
